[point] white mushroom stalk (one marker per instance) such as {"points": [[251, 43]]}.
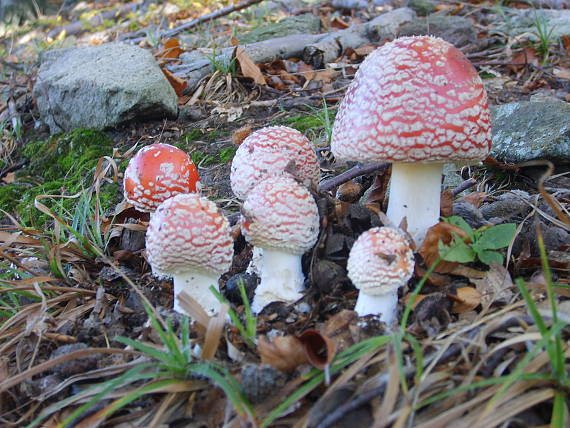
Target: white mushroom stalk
{"points": [[280, 217], [189, 239], [380, 261], [415, 101], [414, 194]]}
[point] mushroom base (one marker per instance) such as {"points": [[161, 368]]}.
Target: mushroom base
{"points": [[281, 279], [415, 192], [197, 285], [383, 305]]}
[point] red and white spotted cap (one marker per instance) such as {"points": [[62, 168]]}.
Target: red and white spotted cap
{"points": [[188, 232], [156, 173], [415, 99], [380, 261], [280, 214], [272, 151]]}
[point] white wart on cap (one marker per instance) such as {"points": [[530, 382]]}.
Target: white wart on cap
{"points": [[416, 102], [281, 217], [380, 262], [271, 151], [189, 239], [156, 173]]}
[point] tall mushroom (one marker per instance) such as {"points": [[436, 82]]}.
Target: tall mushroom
{"points": [[281, 217], [189, 239], [380, 262], [157, 172], [416, 102], [271, 151]]}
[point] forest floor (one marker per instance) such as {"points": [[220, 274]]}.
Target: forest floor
{"points": [[87, 334]]}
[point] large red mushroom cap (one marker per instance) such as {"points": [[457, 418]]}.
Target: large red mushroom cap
{"points": [[415, 99], [280, 214], [188, 232], [271, 151], [156, 173]]}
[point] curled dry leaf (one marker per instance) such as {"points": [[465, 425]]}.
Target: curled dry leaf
{"points": [[319, 349], [430, 248], [248, 67], [171, 50], [285, 353], [241, 134], [474, 198], [495, 287], [446, 203], [467, 299], [176, 82]]}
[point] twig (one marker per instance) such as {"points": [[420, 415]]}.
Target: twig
{"points": [[81, 26], [204, 18], [464, 186], [355, 171]]}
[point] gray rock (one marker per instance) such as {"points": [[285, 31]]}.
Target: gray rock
{"points": [[301, 24], [422, 7], [555, 23], [100, 87], [454, 29], [529, 130]]}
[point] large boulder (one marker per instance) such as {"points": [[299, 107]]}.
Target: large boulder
{"points": [[100, 87]]}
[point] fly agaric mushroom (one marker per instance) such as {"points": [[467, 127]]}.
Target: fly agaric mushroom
{"points": [[271, 151], [281, 217], [380, 261], [416, 102], [157, 172], [189, 239]]}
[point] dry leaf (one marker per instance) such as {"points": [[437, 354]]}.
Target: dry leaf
{"points": [[241, 134], [467, 299], [285, 353], [248, 67], [171, 50], [349, 191], [446, 203], [319, 349], [176, 82], [430, 249], [474, 198], [9, 178], [496, 287]]}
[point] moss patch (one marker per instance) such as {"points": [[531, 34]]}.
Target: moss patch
{"points": [[60, 165]]}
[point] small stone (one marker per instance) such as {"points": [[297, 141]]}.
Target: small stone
{"points": [[232, 292], [260, 381], [75, 366]]}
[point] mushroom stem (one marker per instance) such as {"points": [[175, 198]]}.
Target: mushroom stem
{"points": [[415, 191], [383, 304], [197, 285], [281, 279], [255, 262]]}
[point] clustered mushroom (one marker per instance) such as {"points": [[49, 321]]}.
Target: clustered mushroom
{"points": [[189, 239], [380, 262], [281, 217], [416, 102]]}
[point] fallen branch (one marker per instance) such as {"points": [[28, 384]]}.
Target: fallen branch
{"points": [[200, 20], [81, 26], [355, 171]]}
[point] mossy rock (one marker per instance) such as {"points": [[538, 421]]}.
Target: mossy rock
{"points": [[303, 24], [60, 165]]}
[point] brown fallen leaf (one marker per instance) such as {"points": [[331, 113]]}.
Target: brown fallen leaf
{"points": [[241, 134], [285, 353], [171, 50], [446, 203], [319, 349], [248, 67], [467, 299], [496, 287], [176, 82], [474, 198], [430, 249]]}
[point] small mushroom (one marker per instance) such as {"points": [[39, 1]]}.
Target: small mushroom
{"points": [[379, 263], [189, 239], [281, 217], [156, 173], [416, 102], [271, 151]]}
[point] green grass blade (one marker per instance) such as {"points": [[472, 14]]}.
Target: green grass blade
{"points": [[559, 417]]}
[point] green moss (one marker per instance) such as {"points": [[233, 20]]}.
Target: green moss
{"points": [[225, 155], [60, 165], [303, 123]]}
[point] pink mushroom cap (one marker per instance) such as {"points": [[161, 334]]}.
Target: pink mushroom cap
{"points": [[415, 99], [271, 151]]}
